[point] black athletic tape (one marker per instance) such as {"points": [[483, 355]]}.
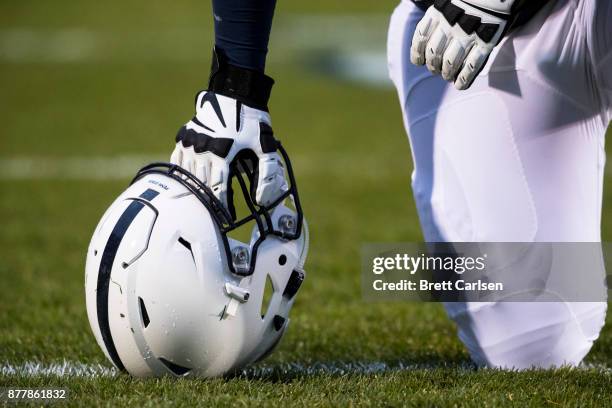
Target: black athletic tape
{"points": [[106, 266], [202, 142], [250, 87], [266, 138]]}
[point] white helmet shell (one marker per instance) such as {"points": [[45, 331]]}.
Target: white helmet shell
{"points": [[169, 293]]}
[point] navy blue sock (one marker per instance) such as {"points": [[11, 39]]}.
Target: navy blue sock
{"points": [[242, 31]]}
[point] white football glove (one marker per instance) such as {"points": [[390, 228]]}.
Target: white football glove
{"points": [[456, 37], [222, 129]]}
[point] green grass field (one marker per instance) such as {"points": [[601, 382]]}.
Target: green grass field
{"points": [[88, 82]]}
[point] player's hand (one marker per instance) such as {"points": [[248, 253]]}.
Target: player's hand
{"points": [[456, 37], [222, 129]]}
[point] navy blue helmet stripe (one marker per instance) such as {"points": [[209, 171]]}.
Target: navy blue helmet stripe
{"points": [[106, 265]]}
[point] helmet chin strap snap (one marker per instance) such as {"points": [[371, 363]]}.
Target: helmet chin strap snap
{"points": [[238, 295], [236, 292]]}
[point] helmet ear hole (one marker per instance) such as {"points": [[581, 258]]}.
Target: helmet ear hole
{"points": [[267, 296]]}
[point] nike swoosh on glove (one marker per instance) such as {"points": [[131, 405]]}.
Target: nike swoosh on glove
{"points": [[455, 37], [221, 130]]}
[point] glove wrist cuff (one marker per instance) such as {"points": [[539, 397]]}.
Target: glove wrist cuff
{"points": [[248, 86]]}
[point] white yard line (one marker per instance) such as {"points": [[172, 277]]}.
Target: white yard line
{"points": [[334, 368], [60, 369], [74, 168], [124, 167], [74, 369]]}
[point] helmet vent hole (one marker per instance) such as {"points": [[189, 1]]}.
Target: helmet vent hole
{"points": [[174, 368], [143, 312], [95, 252], [187, 245], [282, 259], [278, 322], [267, 296], [184, 243]]}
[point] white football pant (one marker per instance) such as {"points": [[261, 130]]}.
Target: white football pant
{"points": [[518, 157]]}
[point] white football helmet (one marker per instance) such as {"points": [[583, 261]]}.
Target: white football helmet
{"points": [[170, 293]]}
